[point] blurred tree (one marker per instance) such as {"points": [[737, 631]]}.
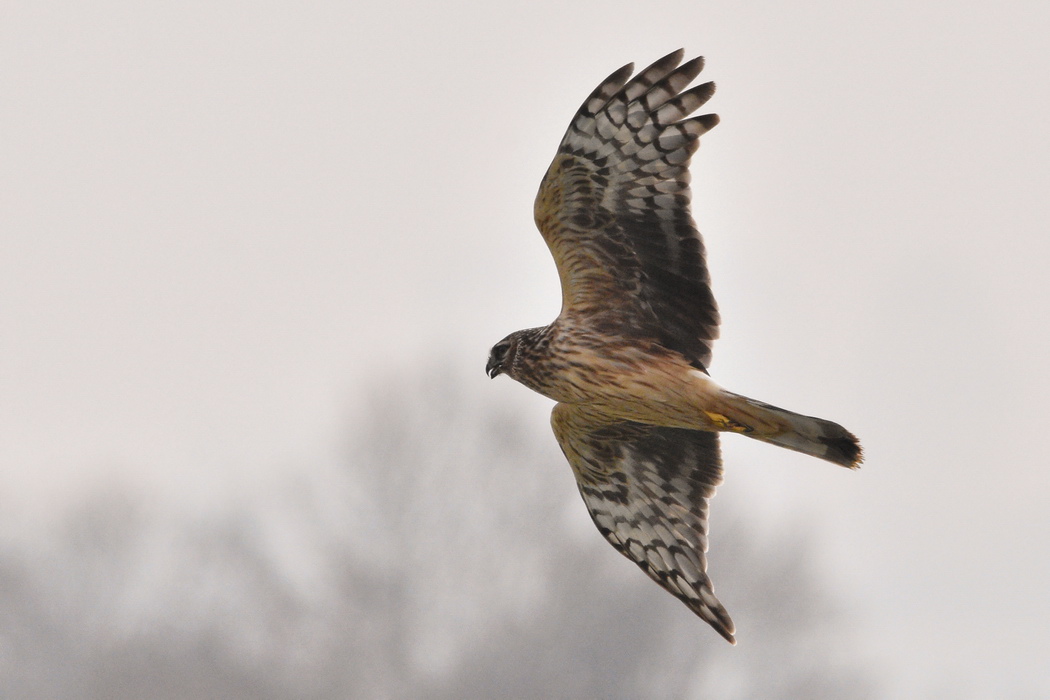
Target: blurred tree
{"points": [[449, 558]]}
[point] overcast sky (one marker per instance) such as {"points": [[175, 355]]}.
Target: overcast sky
{"points": [[221, 221]]}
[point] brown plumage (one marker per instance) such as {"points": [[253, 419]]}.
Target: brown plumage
{"points": [[638, 416]]}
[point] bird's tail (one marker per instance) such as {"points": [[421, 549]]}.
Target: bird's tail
{"points": [[811, 436]]}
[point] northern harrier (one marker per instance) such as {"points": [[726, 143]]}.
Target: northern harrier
{"points": [[638, 416]]}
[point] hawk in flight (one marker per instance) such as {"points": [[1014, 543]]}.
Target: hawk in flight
{"points": [[638, 415]]}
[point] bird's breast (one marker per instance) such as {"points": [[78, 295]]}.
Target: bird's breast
{"points": [[633, 379]]}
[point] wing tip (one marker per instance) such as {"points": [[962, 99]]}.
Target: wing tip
{"points": [[620, 75], [710, 610], [673, 58], [709, 121], [721, 623]]}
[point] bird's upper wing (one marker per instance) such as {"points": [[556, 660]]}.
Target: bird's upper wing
{"points": [[614, 209], [647, 490]]}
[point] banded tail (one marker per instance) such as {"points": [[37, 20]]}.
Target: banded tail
{"points": [[812, 436]]}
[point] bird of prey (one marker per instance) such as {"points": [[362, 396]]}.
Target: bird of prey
{"points": [[638, 415]]}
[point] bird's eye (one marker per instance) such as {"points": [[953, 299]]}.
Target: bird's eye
{"points": [[499, 351]]}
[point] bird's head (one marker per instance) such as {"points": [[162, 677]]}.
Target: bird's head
{"points": [[501, 357]]}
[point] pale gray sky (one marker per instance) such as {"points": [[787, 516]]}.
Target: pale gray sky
{"points": [[220, 221]]}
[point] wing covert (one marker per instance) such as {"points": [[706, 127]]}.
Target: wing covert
{"points": [[614, 209], [647, 490]]}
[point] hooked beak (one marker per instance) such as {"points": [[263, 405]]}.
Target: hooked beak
{"points": [[493, 369]]}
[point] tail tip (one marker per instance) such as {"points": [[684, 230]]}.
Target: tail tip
{"points": [[844, 450]]}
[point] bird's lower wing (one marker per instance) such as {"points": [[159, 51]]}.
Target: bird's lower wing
{"points": [[647, 489]]}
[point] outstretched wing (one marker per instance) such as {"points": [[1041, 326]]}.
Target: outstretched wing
{"points": [[614, 209], [647, 490]]}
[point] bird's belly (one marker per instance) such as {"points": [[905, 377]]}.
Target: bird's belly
{"points": [[668, 393]]}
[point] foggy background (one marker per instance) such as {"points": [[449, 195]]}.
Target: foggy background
{"points": [[252, 259]]}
